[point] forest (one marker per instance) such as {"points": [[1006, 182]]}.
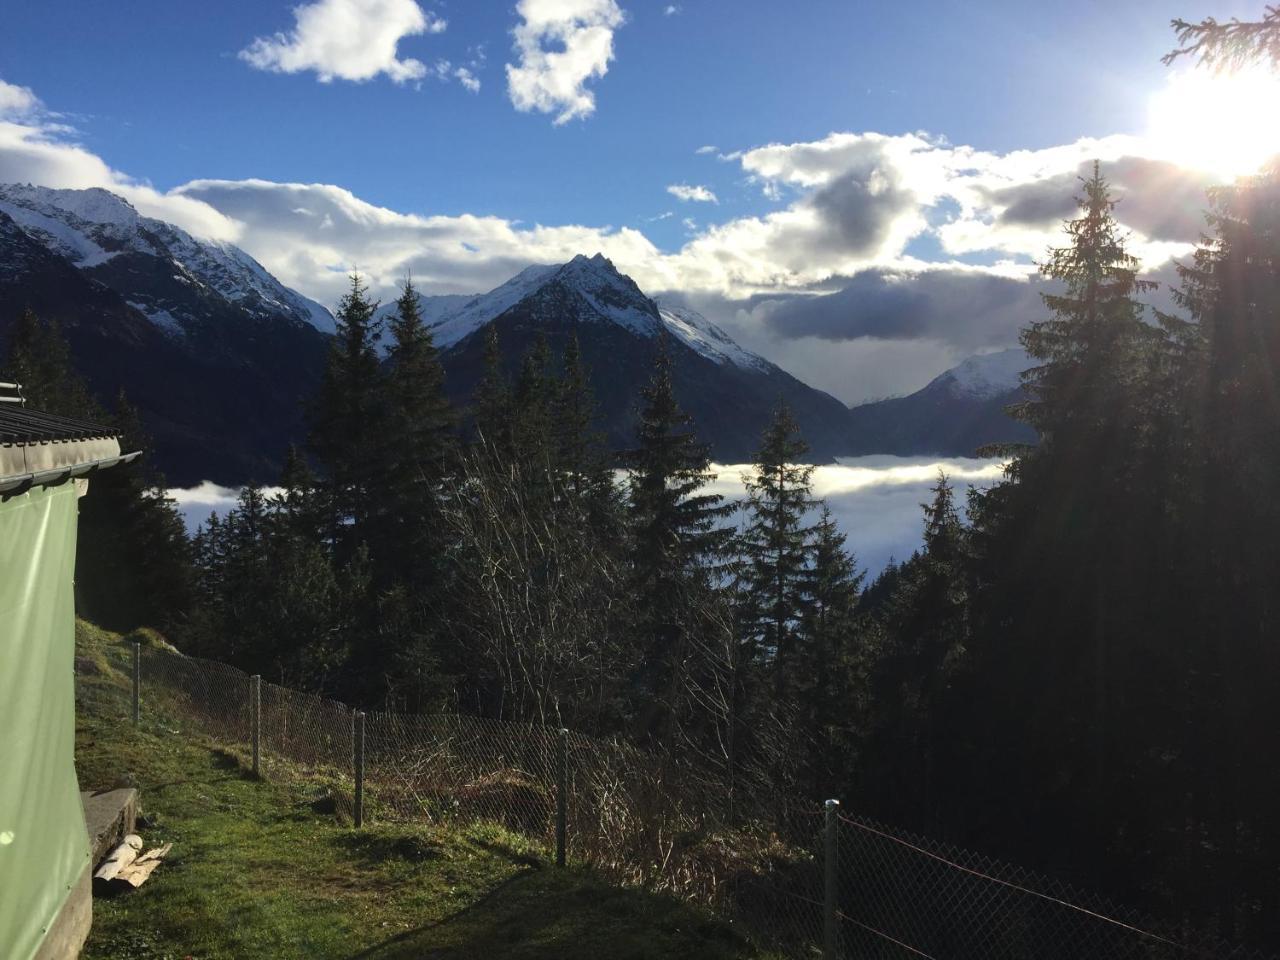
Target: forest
{"points": [[1076, 670]]}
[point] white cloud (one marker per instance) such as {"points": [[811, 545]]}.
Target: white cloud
{"points": [[16, 101], [561, 45], [670, 10], [346, 39], [704, 150], [40, 152], [690, 192], [468, 79], [852, 203]]}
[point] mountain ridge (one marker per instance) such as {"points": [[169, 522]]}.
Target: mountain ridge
{"points": [[221, 357]]}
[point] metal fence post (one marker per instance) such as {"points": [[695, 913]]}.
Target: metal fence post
{"points": [[255, 719], [562, 794], [359, 750], [137, 683], [830, 937]]}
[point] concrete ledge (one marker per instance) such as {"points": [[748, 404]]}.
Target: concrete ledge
{"points": [[70, 928], [109, 816]]}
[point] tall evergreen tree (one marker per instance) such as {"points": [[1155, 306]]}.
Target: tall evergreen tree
{"points": [[776, 549], [492, 404], [417, 432], [676, 540], [345, 428], [579, 446]]}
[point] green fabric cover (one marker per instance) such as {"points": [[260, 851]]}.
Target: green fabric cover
{"points": [[43, 843]]}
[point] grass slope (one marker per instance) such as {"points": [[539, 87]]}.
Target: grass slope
{"points": [[259, 869]]}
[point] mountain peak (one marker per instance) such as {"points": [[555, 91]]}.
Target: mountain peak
{"points": [[101, 233], [987, 374]]}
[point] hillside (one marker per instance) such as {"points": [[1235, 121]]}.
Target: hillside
{"points": [[259, 869]]}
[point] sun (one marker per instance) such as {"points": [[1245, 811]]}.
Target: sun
{"points": [[1227, 124]]}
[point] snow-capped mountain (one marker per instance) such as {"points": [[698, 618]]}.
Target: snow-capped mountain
{"points": [[986, 375], [216, 354], [220, 357], [957, 412], [98, 232], [729, 391]]}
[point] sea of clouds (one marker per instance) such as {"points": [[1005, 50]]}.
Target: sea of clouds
{"points": [[876, 500]]}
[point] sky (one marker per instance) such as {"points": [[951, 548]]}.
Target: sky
{"points": [[856, 191]]}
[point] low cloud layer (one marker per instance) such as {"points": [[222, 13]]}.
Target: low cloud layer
{"points": [[560, 46], [346, 40], [968, 309], [875, 500]]}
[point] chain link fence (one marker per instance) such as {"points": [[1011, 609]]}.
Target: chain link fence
{"points": [[804, 879]]}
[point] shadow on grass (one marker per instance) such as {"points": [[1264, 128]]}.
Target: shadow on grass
{"points": [[549, 914]]}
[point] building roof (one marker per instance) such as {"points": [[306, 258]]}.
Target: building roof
{"points": [[42, 449]]}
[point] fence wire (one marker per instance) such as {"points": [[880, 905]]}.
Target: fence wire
{"points": [[646, 820]]}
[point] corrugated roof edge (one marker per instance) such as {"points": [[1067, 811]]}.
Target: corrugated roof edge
{"points": [[21, 483]]}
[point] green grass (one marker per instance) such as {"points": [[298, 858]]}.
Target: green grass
{"points": [[260, 869]]}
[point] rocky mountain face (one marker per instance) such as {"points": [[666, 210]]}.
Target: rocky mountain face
{"points": [[729, 391], [216, 354]]}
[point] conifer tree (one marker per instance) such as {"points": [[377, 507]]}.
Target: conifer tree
{"points": [[1091, 348], [418, 445], [492, 406], [345, 429], [39, 359], [839, 648], [775, 547], [579, 447], [676, 542]]}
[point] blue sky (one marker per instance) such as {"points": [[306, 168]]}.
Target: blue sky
{"points": [[159, 98]]}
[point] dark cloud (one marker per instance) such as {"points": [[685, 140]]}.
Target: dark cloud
{"points": [[964, 309], [1161, 200], [860, 208]]}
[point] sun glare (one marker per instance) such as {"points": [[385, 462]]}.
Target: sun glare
{"points": [[1227, 124]]}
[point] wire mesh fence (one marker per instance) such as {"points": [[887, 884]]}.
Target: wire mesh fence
{"points": [[803, 879]]}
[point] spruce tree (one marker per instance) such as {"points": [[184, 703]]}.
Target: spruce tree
{"points": [[839, 648], [775, 548], [492, 405], [578, 446], [676, 543], [345, 430], [418, 445]]}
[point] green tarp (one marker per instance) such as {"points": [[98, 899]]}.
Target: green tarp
{"points": [[43, 843]]}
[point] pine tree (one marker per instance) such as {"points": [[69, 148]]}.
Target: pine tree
{"points": [[345, 429], [775, 548], [39, 360], [579, 447], [418, 445], [676, 542], [531, 410], [1091, 348], [134, 564], [839, 647], [492, 404]]}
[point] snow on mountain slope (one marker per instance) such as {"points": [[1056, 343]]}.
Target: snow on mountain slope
{"points": [[609, 295], [706, 338], [92, 227], [987, 375]]}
